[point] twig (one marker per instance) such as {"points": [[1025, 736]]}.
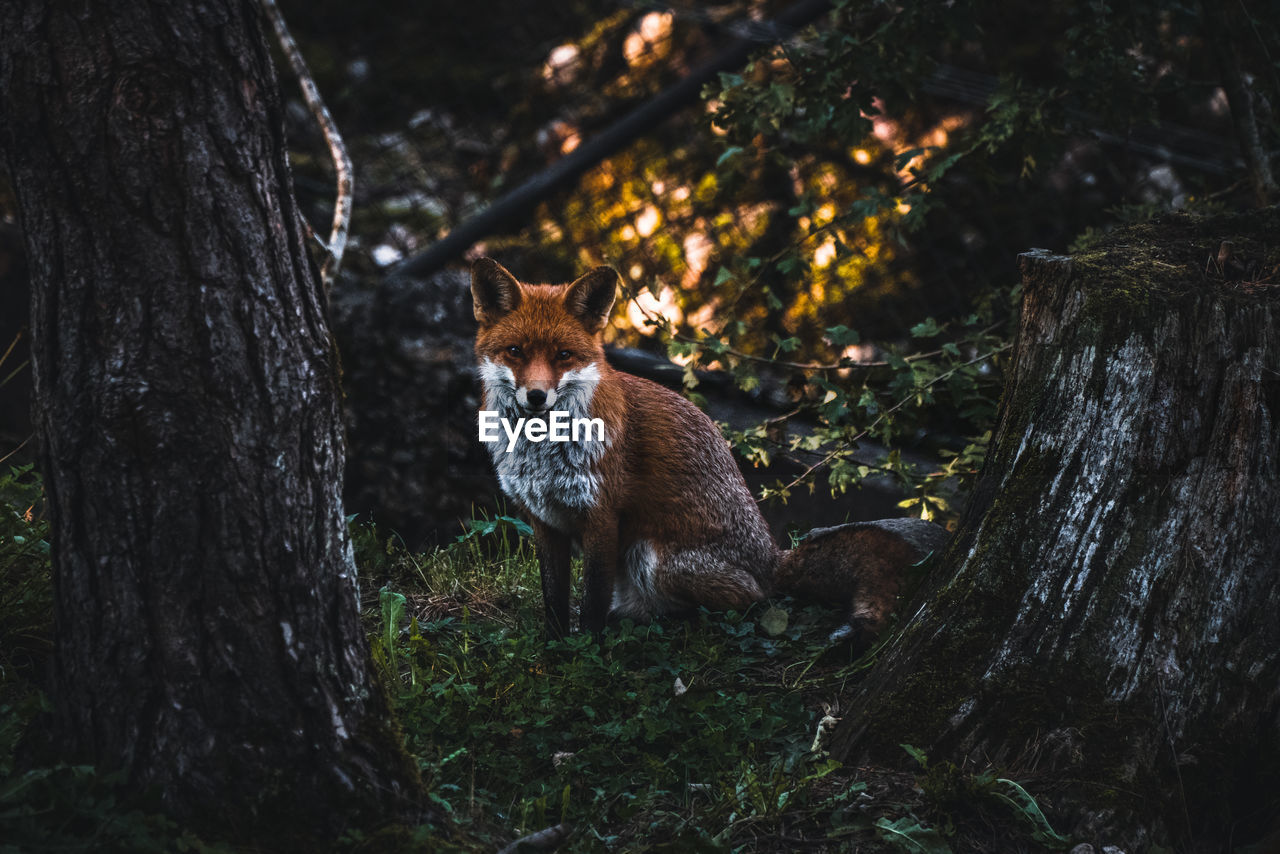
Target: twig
{"points": [[547, 839], [1225, 191], [21, 445], [14, 372], [827, 458], [12, 344], [1173, 749], [341, 161], [778, 419], [843, 364]]}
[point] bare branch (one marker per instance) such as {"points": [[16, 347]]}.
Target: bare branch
{"points": [[341, 161], [841, 365], [21, 445]]}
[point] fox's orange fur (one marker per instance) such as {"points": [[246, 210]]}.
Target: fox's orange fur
{"points": [[662, 514]]}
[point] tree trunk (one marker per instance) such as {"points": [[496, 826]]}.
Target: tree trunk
{"points": [[1104, 623], [207, 623]]}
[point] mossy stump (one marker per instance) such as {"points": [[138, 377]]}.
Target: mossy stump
{"points": [[1106, 623]]}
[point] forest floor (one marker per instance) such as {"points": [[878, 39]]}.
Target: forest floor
{"points": [[699, 734], [682, 735]]}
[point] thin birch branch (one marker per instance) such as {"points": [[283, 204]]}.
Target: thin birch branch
{"points": [[341, 161]]}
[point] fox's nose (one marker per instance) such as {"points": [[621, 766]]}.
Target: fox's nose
{"points": [[537, 397]]}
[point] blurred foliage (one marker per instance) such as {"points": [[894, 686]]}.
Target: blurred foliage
{"points": [[1087, 69], [871, 172], [380, 62], [838, 226], [843, 179]]}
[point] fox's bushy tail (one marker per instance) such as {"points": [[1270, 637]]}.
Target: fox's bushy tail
{"points": [[859, 566]]}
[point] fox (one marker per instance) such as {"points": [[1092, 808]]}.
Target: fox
{"points": [[654, 500]]}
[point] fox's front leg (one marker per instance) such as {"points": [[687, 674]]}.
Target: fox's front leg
{"points": [[599, 567], [553, 565]]}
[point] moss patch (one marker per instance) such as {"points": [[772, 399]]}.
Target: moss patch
{"points": [[1155, 263]]}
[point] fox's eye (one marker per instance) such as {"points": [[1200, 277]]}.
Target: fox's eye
{"points": [[564, 354], [515, 351]]}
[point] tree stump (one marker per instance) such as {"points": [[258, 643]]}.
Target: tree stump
{"points": [[1106, 622]]}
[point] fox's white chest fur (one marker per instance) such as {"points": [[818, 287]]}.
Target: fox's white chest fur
{"points": [[557, 481]]}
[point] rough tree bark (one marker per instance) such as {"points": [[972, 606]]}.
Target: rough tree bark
{"points": [[207, 623], [1104, 624]]}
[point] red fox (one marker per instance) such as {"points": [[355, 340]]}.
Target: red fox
{"points": [[662, 514]]}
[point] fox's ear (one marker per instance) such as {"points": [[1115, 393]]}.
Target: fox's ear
{"points": [[494, 291], [590, 298]]}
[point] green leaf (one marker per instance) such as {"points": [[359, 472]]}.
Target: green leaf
{"points": [[729, 153], [774, 621], [728, 80], [787, 345], [927, 329], [900, 162], [917, 754], [908, 834], [689, 376], [1026, 806], [842, 336], [393, 609], [522, 527]]}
